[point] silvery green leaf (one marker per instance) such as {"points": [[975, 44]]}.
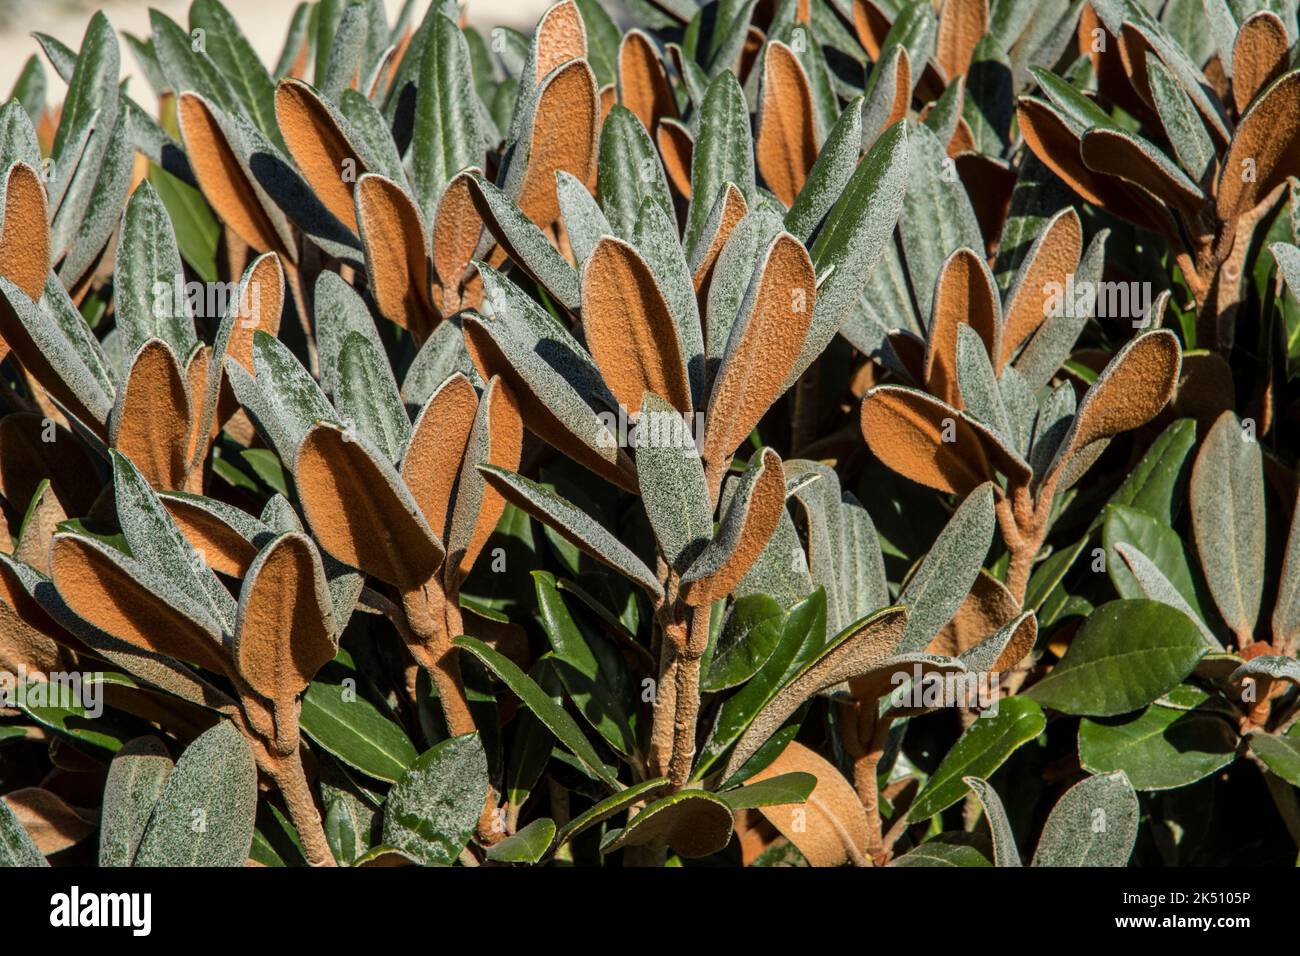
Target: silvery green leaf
{"points": [[1223, 28], [1008, 19], [368, 398], [781, 570], [855, 232], [1021, 407], [730, 31], [882, 92], [293, 397], [154, 539], [368, 132], [347, 48], [946, 574], [988, 105], [981, 657], [1094, 824], [1004, 840], [937, 218], [225, 44], [583, 219], [136, 778], [60, 55], [724, 153], [916, 28], [1228, 519], [102, 210], [339, 311], [629, 172], [731, 528], [56, 303], [671, 477], [1055, 415], [829, 175], [555, 366], [575, 525], [655, 237], [527, 244], [1182, 124], [63, 356], [62, 169], [819, 499], [205, 814], [1157, 587], [18, 137], [980, 394], [294, 40], [732, 274], [16, 845], [148, 279], [946, 111], [446, 136], [1051, 345], [187, 68], [862, 566], [442, 354], [1270, 666]]}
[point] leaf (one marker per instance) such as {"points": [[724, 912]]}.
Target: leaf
{"points": [[214, 783], [1094, 824], [556, 719], [1157, 482], [150, 423], [349, 491], [785, 789], [1227, 498], [748, 638], [16, 846], [724, 153], [1152, 583], [693, 823], [1161, 748], [938, 852], [25, 233], [526, 845], [608, 807], [136, 779], [629, 173], [863, 649], [431, 811], [573, 524], [748, 523], [349, 727], [368, 398], [629, 329], [1098, 676], [982, 749], [643, 84], [397, 254], [831, 826], [1181, 123], [230, 50], [1264, 143], [773, 322], [1280, 753], [673, 487], [1004, 841], [936, 589], [1158, 543], [786, 146], [831, 170], [1052, 259], [447, 135]]}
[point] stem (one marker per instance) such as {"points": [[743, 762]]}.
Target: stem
{"points": [[688, 696], [291, 780], [1023, 530], [665, 705], [431, 646]]}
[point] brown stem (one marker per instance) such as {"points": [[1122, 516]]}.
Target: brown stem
{"points": [[430, 645], [688, 696], [1023, 532], [291, 780], [864, 738], [665, 705]]}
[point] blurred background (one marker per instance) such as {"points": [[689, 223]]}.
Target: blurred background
{"points": [[265, 23]]}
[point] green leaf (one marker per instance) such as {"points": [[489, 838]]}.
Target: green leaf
{"points": [[724, 153], [1157, 484], [556, 719], [749, 636], [188, 69], [351, 728], [1094, 824], [136, 778], [1127, 654], [205, 814], [148, 261], [775, 791], [693, 823], [629, 172], [446, 137], [368, 398], [1227, 495], [1158, 542], [609, 807], [674, 491], [238, 62], [1280, 753], [982, 749], [432, 810], [591, 681], [830, 174], [1179, 119], [1161, 748], [1005, 852], [938, 853], [525, 846], [527, 244], [197, 230]]}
